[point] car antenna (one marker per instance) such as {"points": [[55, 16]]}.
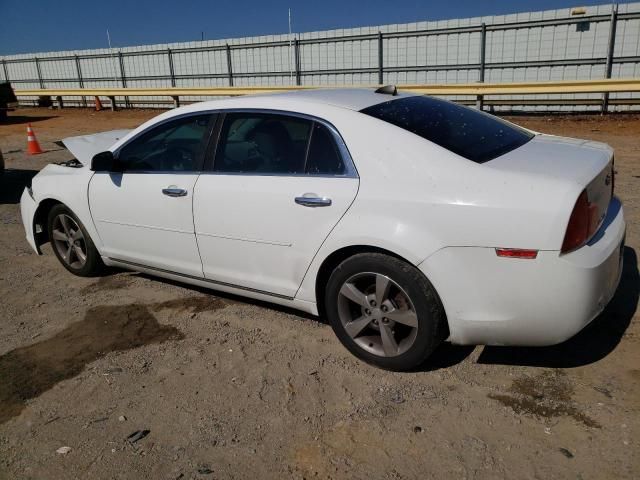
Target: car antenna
{"points": [[388, 90]]}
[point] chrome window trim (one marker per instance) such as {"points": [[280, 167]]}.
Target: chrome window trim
{"points": [[116, 152], [283, 175], [351, 170]]}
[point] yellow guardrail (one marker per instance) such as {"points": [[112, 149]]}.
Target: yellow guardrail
{"points": [[516, 88]]}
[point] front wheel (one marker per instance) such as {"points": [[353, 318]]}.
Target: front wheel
{"points": [[72, 244], [385, 311]]}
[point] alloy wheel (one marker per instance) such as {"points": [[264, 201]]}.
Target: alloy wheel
{"points": [[69, 242], [377, 314]]}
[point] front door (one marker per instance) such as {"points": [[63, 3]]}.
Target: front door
{"points": [[144, 215], [278, 186]]}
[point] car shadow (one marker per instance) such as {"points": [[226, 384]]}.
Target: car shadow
{"points": [[12, 183], [235, 298], [19, 119], [593, 343], [446, 356], [590, 345]]}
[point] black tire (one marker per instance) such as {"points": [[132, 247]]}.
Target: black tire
{"points": [[93, 265], [432, 328]]}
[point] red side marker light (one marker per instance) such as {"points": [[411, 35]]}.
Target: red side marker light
{"points": [[517, 253]]}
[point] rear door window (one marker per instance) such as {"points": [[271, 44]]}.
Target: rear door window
{"points": [[262, 144], [472, 134], [324, 158]]}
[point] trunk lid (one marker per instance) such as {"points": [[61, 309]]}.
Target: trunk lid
{"points": [[84, 147], [584, 163], [563, 158]]}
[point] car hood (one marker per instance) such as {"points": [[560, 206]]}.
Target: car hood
{"points": [[84, 147]]}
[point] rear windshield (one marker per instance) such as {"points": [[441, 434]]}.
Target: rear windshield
{"points": [[471, 134]]}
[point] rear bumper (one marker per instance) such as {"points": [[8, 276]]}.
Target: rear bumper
{"points": [[28, 208], [500, 301]]}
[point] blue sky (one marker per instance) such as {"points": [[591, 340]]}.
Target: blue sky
{"points": [[41, 26]]}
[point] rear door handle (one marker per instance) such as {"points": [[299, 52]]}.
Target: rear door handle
{"points": [[313, 201], [174, 192]]}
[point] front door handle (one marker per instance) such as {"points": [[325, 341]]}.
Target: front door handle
{"points": [[313, 201], [174, 192]]}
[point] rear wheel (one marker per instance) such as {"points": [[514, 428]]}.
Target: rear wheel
{"points": [[72, 244], [385, 311]]}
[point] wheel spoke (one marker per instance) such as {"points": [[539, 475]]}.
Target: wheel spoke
{"points": [[406, 317], [377, 314], [356, 326], [77, 235], [67, 256], [389, 344], [80, 255], [350, 291], [64, 221], [58, 235], [382, 288]]}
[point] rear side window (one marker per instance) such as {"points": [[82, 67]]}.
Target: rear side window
{"points": [[262, 144], [472, 134], [324, 157]]}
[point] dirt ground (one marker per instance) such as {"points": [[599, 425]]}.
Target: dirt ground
{"points": [[229, 388]]}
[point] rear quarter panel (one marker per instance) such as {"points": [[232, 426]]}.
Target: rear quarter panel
{"points": [[416, 198]]}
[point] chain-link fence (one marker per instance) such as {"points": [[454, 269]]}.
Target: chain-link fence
{"points": [[568, 44]]}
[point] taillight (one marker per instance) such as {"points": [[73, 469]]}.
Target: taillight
{"points": [[583, 223]]}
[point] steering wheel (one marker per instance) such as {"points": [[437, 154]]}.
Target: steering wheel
{"points": [[177, 158]]}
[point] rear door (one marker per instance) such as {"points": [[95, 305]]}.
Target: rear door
{"points": [[277, 187]]}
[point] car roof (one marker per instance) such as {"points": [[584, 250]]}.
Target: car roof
{"points": [[349, 98]]}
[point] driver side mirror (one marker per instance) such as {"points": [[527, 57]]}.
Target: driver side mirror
{"points": [[105, 162]]}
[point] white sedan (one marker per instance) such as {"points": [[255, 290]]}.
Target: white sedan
{"points": [[405, 220]]}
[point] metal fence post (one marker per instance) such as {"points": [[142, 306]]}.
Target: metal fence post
{"points": [[80, 81], [229, 65], [39, 73], [175, 98], [6, 72], [171, 70], [296, 50], [610, 52], [380, 59], [123, 79], [483, 47]]}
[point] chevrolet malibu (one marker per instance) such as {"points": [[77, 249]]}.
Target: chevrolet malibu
{"points": [[404, 220]]}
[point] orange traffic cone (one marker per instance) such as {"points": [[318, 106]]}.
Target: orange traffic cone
{"points": [[98, 104], [33, 147]]}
